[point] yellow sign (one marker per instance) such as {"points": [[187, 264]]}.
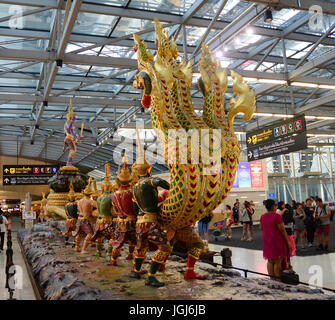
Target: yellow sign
{"points": [[12, 171], [263, 136]]}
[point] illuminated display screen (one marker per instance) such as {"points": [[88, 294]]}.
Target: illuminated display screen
{"points": [[249, 175]]}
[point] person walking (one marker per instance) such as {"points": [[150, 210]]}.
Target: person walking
{"points": [[203, 226], [236, 212], [3, 228], [310, 221], [229, 221], [275, 240], [245, 219], [251, 212], [299, 226], [322, 217]]}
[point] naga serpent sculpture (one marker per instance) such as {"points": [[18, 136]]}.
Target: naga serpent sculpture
{"points": [[197, 186]]}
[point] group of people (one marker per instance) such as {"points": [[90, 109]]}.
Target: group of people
{"points": [[231, 217], [283, 225], [303, 220], [243, 215]]}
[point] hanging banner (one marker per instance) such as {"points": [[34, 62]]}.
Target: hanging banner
{"points": [[244, 174], [249, 175], [27, 174], [281, 138], [256, 174]]}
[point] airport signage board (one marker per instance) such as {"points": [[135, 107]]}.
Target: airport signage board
{"points": [[27, 174], [281, 138]]}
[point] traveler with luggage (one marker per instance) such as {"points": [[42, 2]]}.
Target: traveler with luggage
{"points": [[286, 212], [275, 239]]}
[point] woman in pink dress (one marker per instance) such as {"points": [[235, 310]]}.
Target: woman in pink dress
{"points": [[275, 240]]}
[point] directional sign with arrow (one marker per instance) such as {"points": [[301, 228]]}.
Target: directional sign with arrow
{"points": [[27, 174], [280, 138]]}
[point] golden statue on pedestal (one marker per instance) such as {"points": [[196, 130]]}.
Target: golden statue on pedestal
{"points": [[202, 153]]}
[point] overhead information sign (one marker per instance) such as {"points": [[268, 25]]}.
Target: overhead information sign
{"points": [[27, 175], [281, 138]]}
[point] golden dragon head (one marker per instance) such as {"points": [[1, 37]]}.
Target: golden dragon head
{"points": [[211, 71], [246, 101], [144, 55], [162, 42]]}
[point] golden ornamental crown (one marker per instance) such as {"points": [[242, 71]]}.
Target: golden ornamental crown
{"points": [[141, 165], [71, 193], [88, 189], [124, 175], [70, 113], [107, 182]]}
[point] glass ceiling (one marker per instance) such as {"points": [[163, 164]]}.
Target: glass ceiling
{"points": [[100, 83]]}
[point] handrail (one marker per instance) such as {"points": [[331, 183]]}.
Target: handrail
{"points": [[246, 271], [10, 272], [36, 288]]}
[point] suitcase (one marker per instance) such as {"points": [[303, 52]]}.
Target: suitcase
{"points": [[289, 276]]}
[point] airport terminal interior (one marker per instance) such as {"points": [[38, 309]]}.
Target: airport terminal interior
{"points": [[167, 150]]}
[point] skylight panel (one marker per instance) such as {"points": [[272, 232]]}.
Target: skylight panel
{"points": [[289, 13], [230, 5]]}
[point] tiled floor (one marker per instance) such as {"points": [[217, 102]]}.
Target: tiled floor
{"points": [[306, 267], [243, 258], [26, 292]]}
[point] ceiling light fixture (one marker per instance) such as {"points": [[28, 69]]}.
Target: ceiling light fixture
{"points": [[310, 117], [325, 86], [325, 118], [218, 54], [250, 79], [283, 115], [304, 84], [274, 81], [250, 31]]}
